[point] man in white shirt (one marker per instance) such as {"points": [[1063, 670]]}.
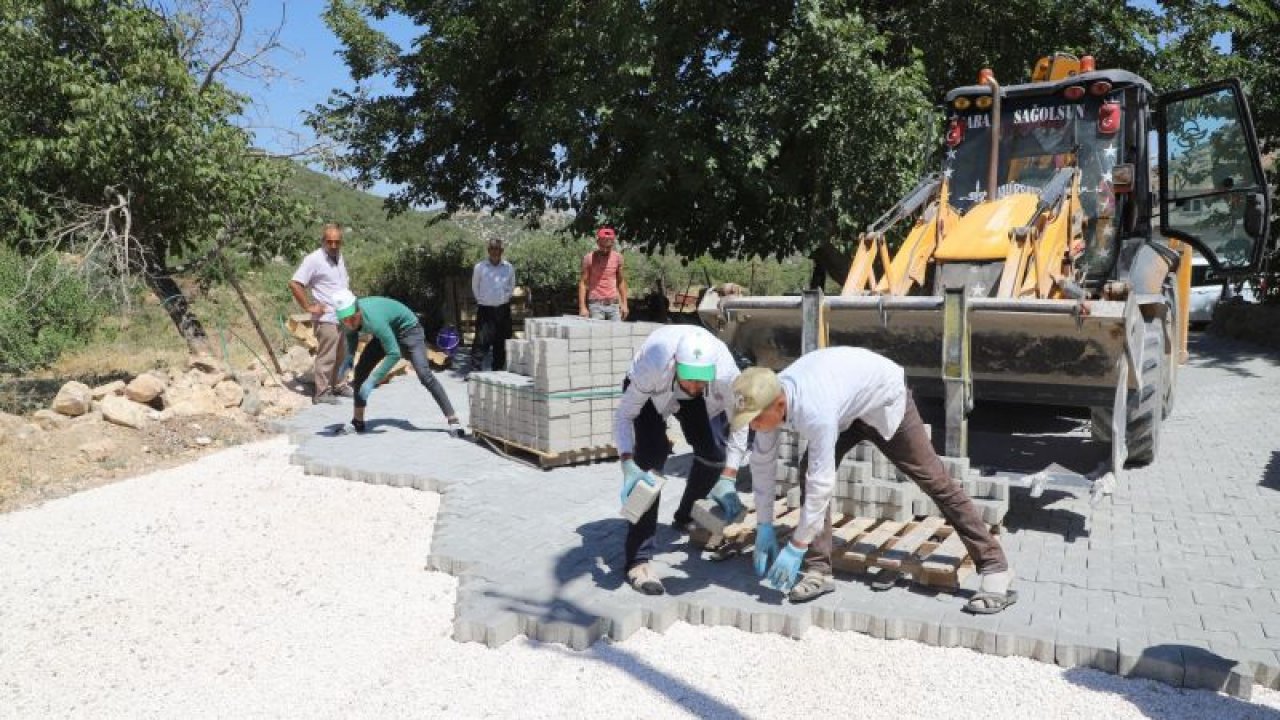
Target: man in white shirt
{"points": [[492, 282], [680, 370], [834, 399], [323, 273]]}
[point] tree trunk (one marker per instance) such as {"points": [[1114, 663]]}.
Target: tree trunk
{"points": [[175, 303]]}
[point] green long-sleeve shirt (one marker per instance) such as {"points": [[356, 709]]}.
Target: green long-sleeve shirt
{"points": [[384, 318]]}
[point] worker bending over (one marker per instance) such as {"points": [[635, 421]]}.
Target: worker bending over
{"points": [[396, 334], [835, 398], [682, 370]]}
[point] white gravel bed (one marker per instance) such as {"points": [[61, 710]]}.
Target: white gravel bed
{"points": [[238, 587]]}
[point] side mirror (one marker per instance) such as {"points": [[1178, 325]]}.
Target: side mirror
{"points": [[1253, 214]]}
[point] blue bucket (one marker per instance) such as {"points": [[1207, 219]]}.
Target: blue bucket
{"points": [[448, 339]]}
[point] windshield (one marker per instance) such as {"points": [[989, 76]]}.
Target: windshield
{"points": [[1039, 136]]}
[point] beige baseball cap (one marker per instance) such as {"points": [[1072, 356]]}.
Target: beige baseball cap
{"points": [[753, 391]]}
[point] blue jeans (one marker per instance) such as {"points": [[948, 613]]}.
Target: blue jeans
{"points": [[605, 310], [413, 347], [708, 436]]}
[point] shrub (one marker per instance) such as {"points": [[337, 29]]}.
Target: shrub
{"points": [[45, 308]]}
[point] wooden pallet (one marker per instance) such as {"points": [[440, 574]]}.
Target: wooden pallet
{"points": [[927, 549], [542, 458]]}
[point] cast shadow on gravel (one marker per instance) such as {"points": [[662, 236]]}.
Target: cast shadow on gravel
{"points": [[1171, 703]]}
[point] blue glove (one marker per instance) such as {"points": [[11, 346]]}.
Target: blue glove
{"points": [[766, 547], [632, 474], [366, 389], [783, 573], [725, 493]]}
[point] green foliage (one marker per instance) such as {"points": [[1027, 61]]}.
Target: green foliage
{"points": [[45, 308], [99, 102]]}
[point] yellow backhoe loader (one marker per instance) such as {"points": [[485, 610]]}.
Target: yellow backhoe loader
{"points": [[1048, 261]]}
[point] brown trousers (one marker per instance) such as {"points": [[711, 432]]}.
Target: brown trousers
{"points": [[331, 352], [911, 450]]}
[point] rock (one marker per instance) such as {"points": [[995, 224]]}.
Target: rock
{"points": [[115, 387], [144, 388], [97, 450], [73, 399], [297, 360], [160, 415], [195, 400], [252, 403], [50, 420], [229, 392], [123, 411], [204, 440]]}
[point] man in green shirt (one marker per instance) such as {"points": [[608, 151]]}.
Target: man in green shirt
{"points": [[396, 334]]}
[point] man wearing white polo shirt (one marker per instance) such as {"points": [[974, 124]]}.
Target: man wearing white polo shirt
{"points": [[680, 370], [835, 398], [492, 283], [323, 274]]}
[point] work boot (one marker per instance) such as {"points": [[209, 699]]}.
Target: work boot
{"points": [[642, 578], [812, 585]]}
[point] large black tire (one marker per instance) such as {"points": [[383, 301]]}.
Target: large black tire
{"points": [[1147, 405]]}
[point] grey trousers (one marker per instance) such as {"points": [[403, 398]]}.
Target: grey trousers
{"points": [[331, 352], [911, 450], [413, 347]]}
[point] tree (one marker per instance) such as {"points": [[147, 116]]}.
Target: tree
{"points": [[743, 127], [102, 106]]}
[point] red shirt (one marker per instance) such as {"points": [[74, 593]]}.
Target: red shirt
{"points": [[602, 274]]}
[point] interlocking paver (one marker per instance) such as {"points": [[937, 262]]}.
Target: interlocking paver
{"points": [[1172, 578]]}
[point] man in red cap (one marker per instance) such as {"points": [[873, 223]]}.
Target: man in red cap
{"points": [[602, 287]]}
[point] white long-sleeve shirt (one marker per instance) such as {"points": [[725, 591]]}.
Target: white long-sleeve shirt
{"points": [[492, 284], [653, 378], [827, 390]]}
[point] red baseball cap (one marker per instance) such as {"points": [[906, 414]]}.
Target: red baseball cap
{"points": [[606, 232]]}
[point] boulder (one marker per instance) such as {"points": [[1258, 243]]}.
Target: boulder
{"points": [[144, 388], [230, 393], [194, 400], [115, 387], [297, 360], [123, 411], [204, 363], [50, 420], [73, 399]]}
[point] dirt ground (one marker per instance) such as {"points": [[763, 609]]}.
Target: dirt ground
{"points": [[86, 453]]}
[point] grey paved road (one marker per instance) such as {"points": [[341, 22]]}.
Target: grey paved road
{"points": [[1176, 577]]}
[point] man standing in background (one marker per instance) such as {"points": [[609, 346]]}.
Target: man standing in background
{"points": [[492, 283], [602, 287], [323, 274]]}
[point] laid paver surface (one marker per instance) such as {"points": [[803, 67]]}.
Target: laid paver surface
{"points": [[1174, 577]]}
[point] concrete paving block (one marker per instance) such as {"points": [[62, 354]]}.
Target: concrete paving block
{"points": [[1036, 643], [797, 625], [852, 621], [1073, 649], [1204, 670], [659, 619], [768, 622], [501, 630], [1157, 662]]}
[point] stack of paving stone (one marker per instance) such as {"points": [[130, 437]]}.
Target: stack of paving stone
{"points": [[561, 385], [869, 485]]}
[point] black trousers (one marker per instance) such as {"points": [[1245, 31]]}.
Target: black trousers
{"points": [[493, 329], [708, 436]]}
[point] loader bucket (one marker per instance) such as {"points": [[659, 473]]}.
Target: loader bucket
{"points": [[1040, 351]]}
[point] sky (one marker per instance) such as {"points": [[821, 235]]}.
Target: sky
{"points": [[311, 67]]}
